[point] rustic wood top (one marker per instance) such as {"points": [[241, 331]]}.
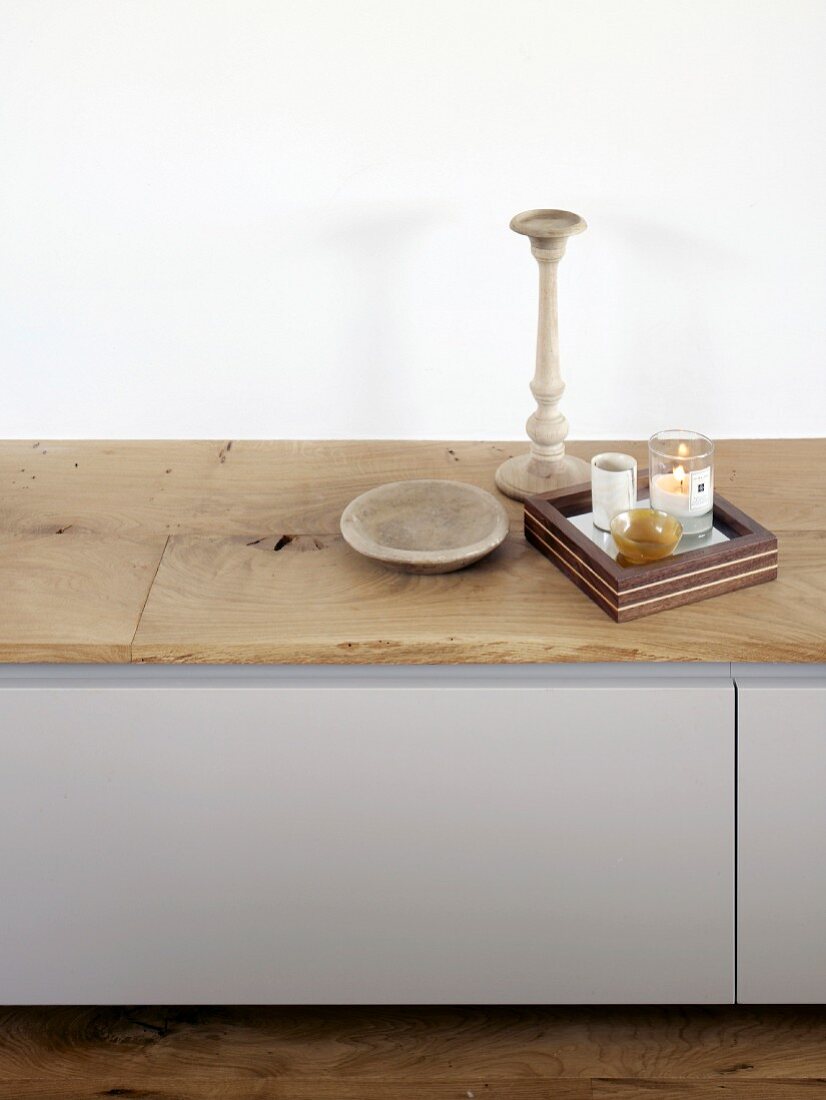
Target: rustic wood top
{"points": [[211, 552]]}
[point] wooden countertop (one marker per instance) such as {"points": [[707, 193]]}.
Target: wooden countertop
{"points": [[210, 552]]}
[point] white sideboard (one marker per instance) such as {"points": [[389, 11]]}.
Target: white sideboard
{"points": [[255, 766], [375, 837], [469, 835]]}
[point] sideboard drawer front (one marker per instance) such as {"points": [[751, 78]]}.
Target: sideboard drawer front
{"points": [[320, 844], [782, 841]]}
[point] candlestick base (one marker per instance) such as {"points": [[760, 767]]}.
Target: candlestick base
{"points": [[515, 479]]}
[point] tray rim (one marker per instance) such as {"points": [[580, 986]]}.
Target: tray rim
{"points": [[750, 541]]}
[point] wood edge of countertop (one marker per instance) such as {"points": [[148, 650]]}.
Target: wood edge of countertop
{"points": [[465, 651]]}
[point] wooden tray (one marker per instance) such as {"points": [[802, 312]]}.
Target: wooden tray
{"points": [[737, 553]]}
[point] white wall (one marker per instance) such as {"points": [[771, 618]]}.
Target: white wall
{"points": [[290, 218]]}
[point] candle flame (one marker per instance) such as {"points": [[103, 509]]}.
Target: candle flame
{"points": [[680, 476]]}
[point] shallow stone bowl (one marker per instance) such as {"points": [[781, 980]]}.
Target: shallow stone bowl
{"points": [[424, 526]]}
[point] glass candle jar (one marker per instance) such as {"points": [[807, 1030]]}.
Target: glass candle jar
{"points": [[681, 478]]}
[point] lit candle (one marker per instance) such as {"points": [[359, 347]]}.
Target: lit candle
{"points": [[670, 492], [682, 478]]}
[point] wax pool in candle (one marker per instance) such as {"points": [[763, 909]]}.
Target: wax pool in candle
{"points": [[669, 493], [682, 494]]}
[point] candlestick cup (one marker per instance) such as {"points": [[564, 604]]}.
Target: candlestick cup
{"points": [[681, 478]]}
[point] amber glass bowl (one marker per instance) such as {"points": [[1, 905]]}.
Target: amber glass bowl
{"points": [[644, 534]]}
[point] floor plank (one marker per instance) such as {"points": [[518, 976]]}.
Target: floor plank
{"points": [[753, 1089], [249, 1088], [375, 1053]]}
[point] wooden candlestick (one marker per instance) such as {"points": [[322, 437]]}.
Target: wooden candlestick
{"points": [[545, 466]]}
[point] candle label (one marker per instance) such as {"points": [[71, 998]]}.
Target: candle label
{"points": [[699, 490]]}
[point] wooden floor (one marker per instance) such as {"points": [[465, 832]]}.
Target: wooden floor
{"points": [[413, 1053]]}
